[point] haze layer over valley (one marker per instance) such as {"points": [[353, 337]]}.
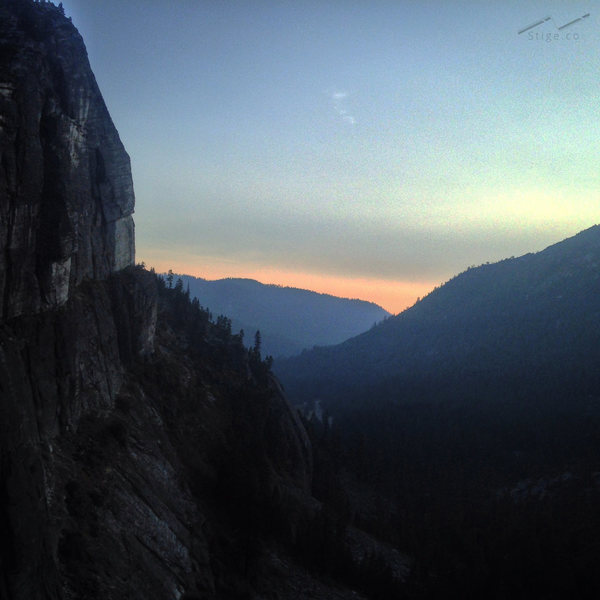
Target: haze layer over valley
{"points": [[289, 319]]}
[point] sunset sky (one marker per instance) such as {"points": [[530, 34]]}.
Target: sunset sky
{"points": [[366, 149]]}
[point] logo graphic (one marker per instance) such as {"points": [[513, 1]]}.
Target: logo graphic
{"points": [[559, 28]]}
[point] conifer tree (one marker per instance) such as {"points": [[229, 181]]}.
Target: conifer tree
{"points": [[257, 342]]}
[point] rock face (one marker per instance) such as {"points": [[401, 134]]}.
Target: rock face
{"points": [[65, 179], [131, 459], [145, 453], [114, 427]]}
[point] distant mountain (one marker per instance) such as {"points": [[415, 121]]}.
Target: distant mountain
{"points": [[523, 327], [289, 319]]}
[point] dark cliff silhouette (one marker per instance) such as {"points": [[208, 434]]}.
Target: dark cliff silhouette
{"points": [[145, 453]]}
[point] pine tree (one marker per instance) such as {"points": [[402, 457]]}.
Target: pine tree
{"points": [[257, 342]]}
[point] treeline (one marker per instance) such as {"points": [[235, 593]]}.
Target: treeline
{"points": [[206, 334], [534, 319], [244, 487]]}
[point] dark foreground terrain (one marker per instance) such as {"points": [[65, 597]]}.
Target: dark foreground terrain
{"points": [[144, 451]]}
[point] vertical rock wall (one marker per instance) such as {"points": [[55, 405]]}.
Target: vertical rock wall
{"points": [[131, 463], [66, 193]]}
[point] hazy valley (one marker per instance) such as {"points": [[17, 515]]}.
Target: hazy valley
{"points": [[149, 450], [289, 319]]}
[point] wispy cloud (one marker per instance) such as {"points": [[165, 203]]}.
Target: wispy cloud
{"points": [[340, 105]]}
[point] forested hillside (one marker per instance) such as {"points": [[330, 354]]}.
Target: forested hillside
{"points": [[526, 326], [473, 420]]}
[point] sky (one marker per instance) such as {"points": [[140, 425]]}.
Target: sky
{"points": [[368, 149]]}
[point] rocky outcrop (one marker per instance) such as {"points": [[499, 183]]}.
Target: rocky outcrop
{"points": [[145, 453], [61, 372], [126, 444], [135, 462], [65, 179]]}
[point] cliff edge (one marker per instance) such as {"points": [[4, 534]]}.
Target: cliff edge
{"points": [[145, 452], [65, 178], [130, 424]]}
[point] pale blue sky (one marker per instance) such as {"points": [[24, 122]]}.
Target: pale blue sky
{"points": [[387, 145]]}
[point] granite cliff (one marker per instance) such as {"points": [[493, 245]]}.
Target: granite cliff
{"points": [[64, 175], [144, 451], [117, 430]]}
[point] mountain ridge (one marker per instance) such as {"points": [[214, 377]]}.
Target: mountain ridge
{"points": [[290, 319], [446, 330], [475, 417]]}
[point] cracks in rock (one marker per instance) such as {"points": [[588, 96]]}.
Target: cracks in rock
{"points": [[7, 376], [7, 258]]}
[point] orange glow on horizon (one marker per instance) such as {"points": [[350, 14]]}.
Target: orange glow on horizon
{"points": [[394, 296]]}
